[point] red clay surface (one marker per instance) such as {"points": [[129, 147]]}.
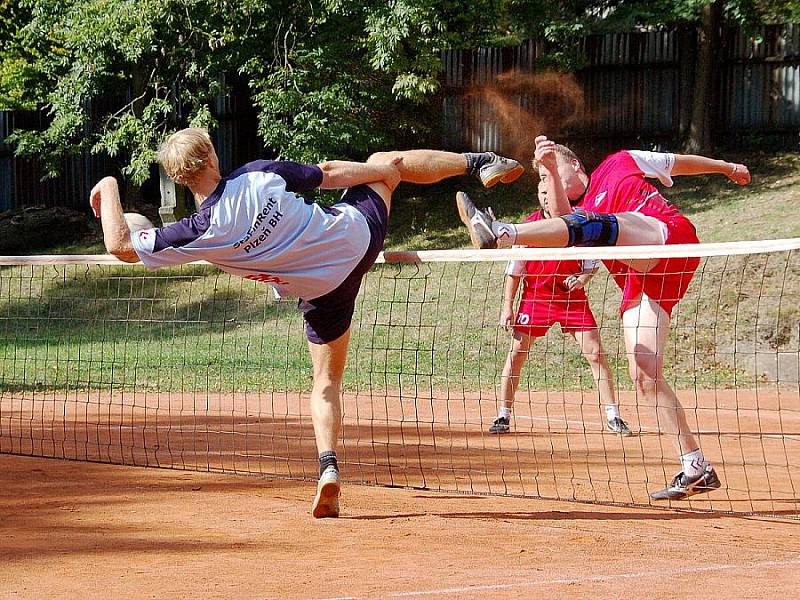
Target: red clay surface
{"points": [[81, 530]]}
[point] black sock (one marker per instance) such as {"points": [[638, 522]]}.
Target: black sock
{"points": [[475, 160], [327, 459]]}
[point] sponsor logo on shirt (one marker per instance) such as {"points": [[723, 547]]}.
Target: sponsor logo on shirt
{"points": [[264, 223], [143, 235], [598, 199], [267, 278]]}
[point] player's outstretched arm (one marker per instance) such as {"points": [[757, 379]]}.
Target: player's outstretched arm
{"points": [[106, 205], [339, 174], [692, 164]]}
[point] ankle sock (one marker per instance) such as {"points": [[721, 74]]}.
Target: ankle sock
{"points": [[475, 160], [327, 459], [504, 412], [693, 463], [612, 412], [506, 234]]}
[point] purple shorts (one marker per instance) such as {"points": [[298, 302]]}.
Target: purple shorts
{"points": [[328, 317]]}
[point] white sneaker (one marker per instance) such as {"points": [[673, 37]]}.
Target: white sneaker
{"points": [[478, 222], [326, 502], [499, 169]]}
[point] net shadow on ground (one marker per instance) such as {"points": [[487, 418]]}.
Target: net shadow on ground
{"points": [[550, 459]]}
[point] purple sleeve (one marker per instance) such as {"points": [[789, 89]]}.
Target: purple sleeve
{"points": [[299, 177], [183, 232]]}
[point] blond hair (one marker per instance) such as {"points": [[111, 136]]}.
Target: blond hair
{"points": [[562, 151], [185, 154]]}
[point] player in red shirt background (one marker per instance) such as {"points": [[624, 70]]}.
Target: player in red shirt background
{"points": [[618, 206], [553, 292]]}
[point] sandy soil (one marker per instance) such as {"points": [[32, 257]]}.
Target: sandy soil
{"points": [[80, 530]]}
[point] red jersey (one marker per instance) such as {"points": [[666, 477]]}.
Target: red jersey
{"points": [[618, 185], [546, 299], [544, 279]]}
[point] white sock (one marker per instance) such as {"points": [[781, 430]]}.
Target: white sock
{"points": [[693, 463], [612, 412], [504, 412], [506, 234]]}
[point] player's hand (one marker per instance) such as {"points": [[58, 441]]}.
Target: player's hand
{"points": [[577, 281], [95, 195], [739, 174], [394, 177], [507, 318], [545, 153]]}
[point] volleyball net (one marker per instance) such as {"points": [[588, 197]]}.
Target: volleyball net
{"points": [[191, 368]]}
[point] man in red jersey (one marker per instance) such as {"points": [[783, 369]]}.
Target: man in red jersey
{"points": [[552, 292], [616, 205]]}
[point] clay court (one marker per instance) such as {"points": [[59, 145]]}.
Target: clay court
{"points": [[98, 530]]}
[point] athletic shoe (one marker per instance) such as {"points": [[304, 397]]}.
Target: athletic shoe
{"points": [[617, 425], [500, 425], [683, 486], [477, 221], [326, 502], [498, 169]]}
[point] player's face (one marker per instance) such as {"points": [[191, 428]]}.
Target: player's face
{"points": [[541, 194]]}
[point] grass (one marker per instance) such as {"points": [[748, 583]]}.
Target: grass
{"points": [[419, 329]]}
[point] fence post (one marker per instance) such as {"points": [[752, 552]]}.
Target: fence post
{"points": [[170, 210], [6, 163]]}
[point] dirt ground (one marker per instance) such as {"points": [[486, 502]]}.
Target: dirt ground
{"points": [[73, 529]]}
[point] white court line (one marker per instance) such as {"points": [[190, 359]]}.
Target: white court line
{"points": [[592, 579], [600, 426]]}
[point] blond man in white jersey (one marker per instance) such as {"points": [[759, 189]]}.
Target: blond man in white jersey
{"points": [[254, 224]]}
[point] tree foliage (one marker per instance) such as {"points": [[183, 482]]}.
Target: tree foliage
{"points": [[326, 77]]}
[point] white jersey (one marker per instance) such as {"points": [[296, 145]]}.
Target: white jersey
{"points": [[253, 225]]}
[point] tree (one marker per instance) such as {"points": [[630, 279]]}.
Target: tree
{"points": [[328, 78], [702, 21]]}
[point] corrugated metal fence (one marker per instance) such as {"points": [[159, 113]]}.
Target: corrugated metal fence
{"points": [[633, 85]]}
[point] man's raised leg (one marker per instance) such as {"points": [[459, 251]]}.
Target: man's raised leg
{"points": [[432, 166]]}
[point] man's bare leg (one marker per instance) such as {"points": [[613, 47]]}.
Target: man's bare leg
{"points": [[509, 380], [633, 229], [592, 350], [646, 329], [432, 166], [328, 361]]}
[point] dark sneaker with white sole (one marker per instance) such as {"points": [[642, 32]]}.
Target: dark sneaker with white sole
{"points": [[326, 502], [617, 425], [478, 222], [500, 425], [499, 169], [683, 486]]}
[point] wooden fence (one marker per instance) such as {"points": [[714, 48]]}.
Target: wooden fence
{"points": [[634, 88]]}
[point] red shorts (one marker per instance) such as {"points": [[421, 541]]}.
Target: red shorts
{"points": [[668, 281], [535, 317]]}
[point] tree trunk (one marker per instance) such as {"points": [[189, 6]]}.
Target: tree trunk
{"points": [[140, 78], [705, 103]]}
